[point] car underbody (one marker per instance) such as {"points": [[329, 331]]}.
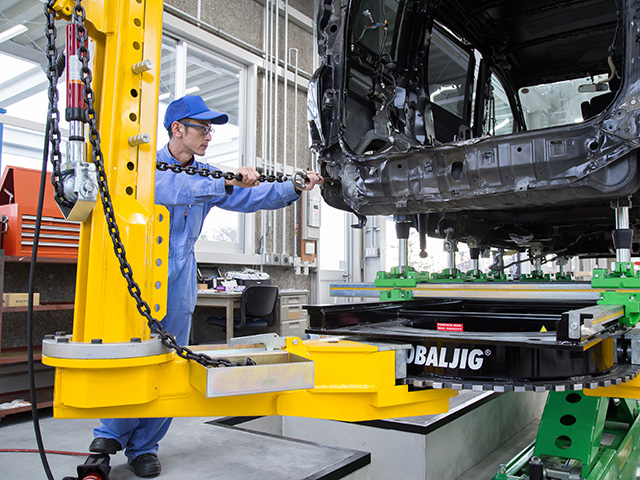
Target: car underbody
{"points": [[417, 112]]}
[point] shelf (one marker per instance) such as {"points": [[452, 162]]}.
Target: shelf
{"points": [[40, 308], [19, 355], [44, 399]]}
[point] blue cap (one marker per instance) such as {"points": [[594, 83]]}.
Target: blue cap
{"points": [[192, 106]]}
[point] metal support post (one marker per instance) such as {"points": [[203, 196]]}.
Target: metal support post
{"points": [[474, 252], [403, 252], [403, 225], [622, 235], [451, 247], [536, 258]]}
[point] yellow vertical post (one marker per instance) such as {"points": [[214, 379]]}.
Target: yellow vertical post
{"points": [[126, 33]]}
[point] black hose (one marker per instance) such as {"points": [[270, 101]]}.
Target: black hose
{"points": [[32, 274]]}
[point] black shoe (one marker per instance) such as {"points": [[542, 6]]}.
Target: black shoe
{"points": [[105, 445], [146, 465]]}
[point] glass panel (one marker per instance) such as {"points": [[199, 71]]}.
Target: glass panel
{"points": [[447, 74], [375, 23], [222, 226], [501, 119], [218, 83], [22, 146], [167, 85], [559, 103]]}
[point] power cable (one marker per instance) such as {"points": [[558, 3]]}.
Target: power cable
{"points": [[54, 73], [32, 272], [50, 452]]}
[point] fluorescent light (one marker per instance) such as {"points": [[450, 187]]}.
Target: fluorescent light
{"points": [[191, 90], [164, 96], [12, 32]]}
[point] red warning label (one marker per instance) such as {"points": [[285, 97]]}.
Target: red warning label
{"points": [[450, 327]]}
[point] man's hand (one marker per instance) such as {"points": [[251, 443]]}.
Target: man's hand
{"points": [[313, 179], [249, 178]]}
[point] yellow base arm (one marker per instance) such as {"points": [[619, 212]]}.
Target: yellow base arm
{"points": [[353, 382]]}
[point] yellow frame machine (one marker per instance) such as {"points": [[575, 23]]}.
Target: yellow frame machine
{"points": [[116, 365]]}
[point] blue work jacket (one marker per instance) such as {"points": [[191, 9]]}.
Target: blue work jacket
{"points": [[189, 198]]}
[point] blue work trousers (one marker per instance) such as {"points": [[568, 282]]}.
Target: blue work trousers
{"points": [[136, 435]]}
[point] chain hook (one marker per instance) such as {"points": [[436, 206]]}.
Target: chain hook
{"points": [[300, 180]]}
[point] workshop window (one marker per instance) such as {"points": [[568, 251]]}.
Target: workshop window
{"points": [[448, 66], [23, 95], [501, 119], [375, 26], [562, 103], [189, 70]]}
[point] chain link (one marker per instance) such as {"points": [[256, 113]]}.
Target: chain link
{"points": [[134, 290], [53, 117], [204, 172]]}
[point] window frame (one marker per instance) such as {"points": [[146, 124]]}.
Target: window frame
{"points": [[189, 36]]}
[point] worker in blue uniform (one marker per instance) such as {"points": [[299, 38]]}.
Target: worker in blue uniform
{"points": [[188, 198]]}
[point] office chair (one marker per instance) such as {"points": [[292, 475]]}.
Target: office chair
{"points": [[257, 309]]}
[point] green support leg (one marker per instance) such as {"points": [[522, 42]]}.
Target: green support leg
{"points": [[571, 427], [591, 438]]}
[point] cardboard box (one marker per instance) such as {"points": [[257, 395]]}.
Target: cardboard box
{"points": [[19, 299]]}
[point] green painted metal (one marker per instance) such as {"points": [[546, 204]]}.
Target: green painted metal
{"points": [[619, 458], [497, 276], [395, 295], [475, 276], [400, 277], [450, 275], [597, 434], [535, 276], [571, 427], [622, 277], [408, 277], [564, 276], [479, 276]]}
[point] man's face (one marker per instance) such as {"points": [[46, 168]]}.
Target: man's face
{"points": [[195, 139]]}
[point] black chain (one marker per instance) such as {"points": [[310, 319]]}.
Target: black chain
{"points": [[204, 172], [134, 290], [53, 117]]}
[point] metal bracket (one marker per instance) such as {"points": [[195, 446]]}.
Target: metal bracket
{"points": [[633, 351], [271, 341], [81, 187], [582, 324]]}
